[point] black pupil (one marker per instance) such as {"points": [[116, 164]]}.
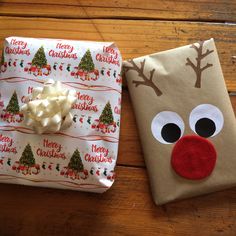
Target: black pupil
{"points": [[170, 132], [205, 127]]}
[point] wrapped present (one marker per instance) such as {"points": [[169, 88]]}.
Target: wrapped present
{"points": [[59, 113], [186, 122]]}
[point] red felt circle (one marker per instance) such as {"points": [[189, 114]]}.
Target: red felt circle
{"points": [[193, 157]]}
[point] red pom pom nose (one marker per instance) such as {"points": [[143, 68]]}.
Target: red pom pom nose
{"points": [[193, 157]]}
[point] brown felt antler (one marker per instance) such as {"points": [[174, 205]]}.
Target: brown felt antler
{"points": [[146, 81], [197, 68]]}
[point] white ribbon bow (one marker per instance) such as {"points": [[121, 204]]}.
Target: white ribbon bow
{"points": [[49, 108]]}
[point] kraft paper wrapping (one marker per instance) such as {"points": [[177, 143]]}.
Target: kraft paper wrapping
{"points": [[187, 80]]}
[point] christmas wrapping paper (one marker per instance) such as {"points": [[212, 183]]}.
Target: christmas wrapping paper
{"points": [[186, 122], [82, 157]]}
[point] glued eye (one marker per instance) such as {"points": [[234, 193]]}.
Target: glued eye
{"points": [[206, 120], [167, 127]]}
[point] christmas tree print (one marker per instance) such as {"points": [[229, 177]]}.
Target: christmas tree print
{"points": [[39, 59], [76, 162], [13, 105], [86, 63], [27, 157], [107, 117]]}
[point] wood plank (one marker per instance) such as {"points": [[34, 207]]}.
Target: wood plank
{"points": [[126, 209], [134, 38], [130, 151], [198, 10]]}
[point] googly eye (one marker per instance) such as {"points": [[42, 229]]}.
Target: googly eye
{"points": [[167, 127], [206, 120]]}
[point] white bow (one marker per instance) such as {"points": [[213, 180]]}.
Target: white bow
{"points": [[49, 108]]}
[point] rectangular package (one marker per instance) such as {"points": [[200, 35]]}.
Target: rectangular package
{"points": [[186, 122], [82, 157]]}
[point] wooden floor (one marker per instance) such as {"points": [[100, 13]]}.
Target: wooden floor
{"points": [[138, 28]]}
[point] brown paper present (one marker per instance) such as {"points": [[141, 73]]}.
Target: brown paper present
{"points": [[185, 119]]}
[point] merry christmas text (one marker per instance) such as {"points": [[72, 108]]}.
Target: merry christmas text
{"points": [[85, 103], [100, 149], [53, 150], [6, 139], [100, 155], [18, 47], [66, 51], [20, 43], [7, 144], [110, 56], [97, 158]]}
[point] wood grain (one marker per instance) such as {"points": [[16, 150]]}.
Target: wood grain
{"points": [[197, 10], [130, 152], [138, 28], [126, 209], [134, 38]]}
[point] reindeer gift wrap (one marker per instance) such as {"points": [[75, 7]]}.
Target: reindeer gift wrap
{"points": [[185, 119]]}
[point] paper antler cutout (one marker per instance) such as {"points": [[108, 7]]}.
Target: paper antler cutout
{"points": [[146, 81], [197, 68]]}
